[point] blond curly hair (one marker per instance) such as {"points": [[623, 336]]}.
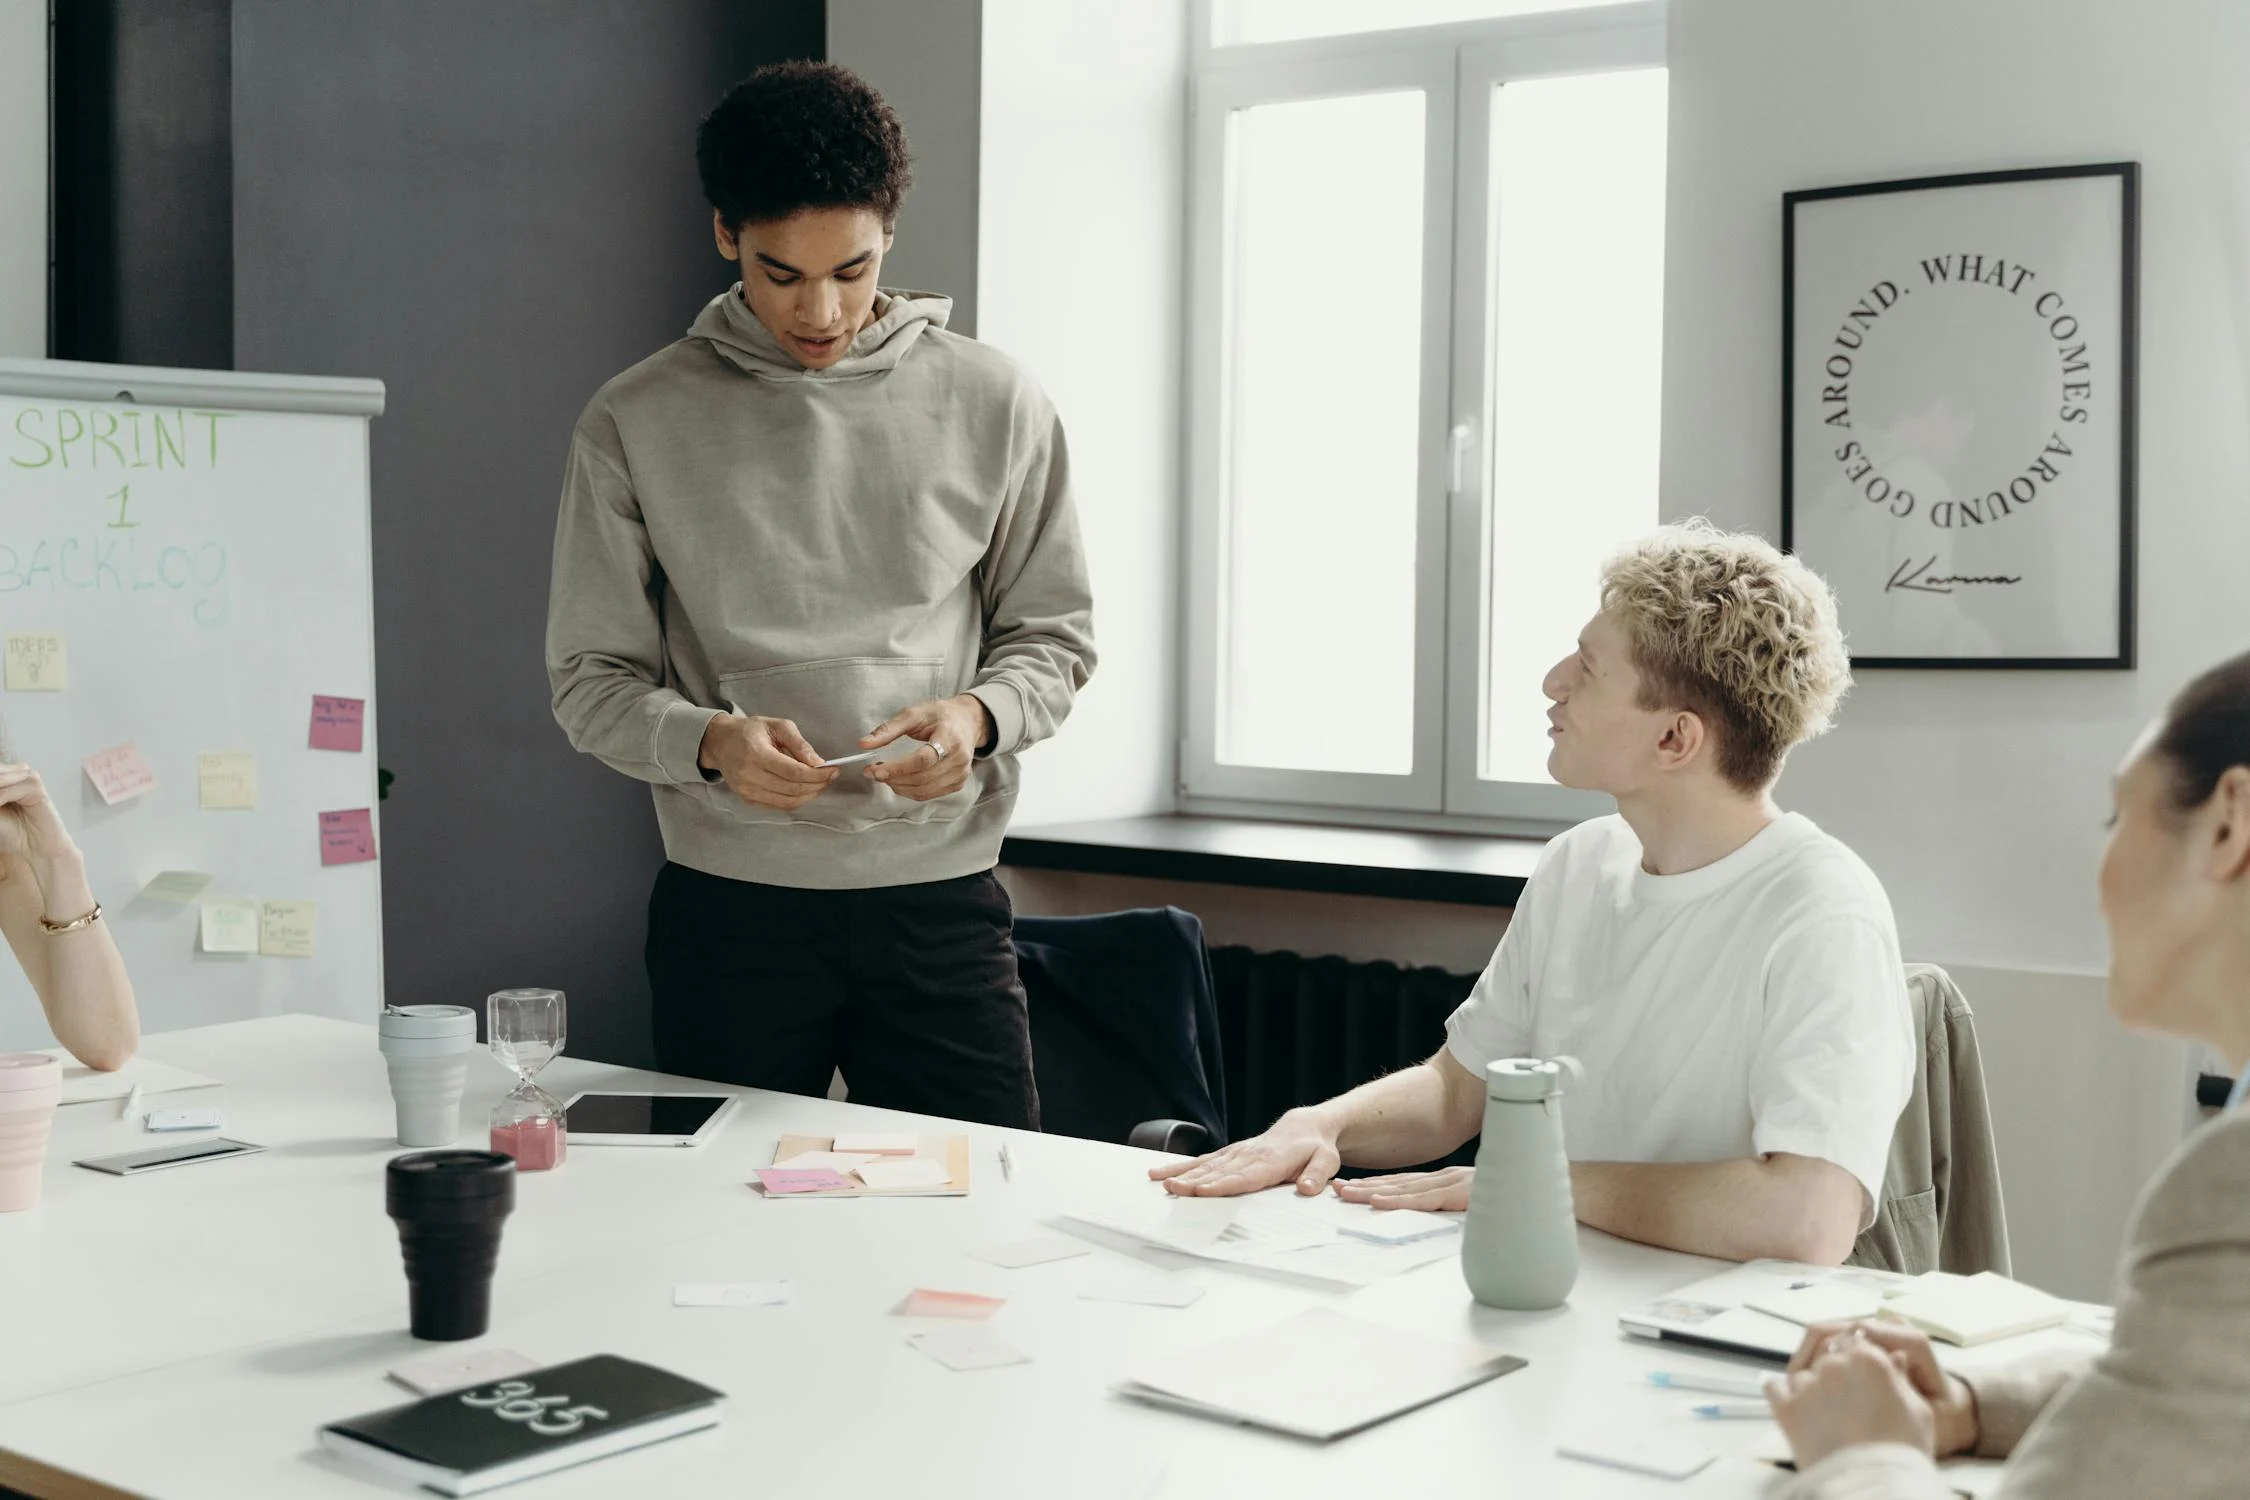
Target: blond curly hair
{"points": [[1725, 626]]}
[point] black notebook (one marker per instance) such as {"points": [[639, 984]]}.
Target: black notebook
{"points": [[465, 1442]]}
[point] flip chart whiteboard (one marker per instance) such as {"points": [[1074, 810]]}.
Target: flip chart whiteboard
{"points": [[184, 568]]}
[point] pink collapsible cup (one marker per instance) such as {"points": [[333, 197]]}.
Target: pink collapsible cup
{"points": [[30, 1090]]}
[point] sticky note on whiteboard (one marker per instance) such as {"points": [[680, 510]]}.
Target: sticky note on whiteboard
{"points": [[177, 886], [230, 926], [227, 782], [120, 773], [338, 723], [285, 928], [347, 838], [37, 663]]}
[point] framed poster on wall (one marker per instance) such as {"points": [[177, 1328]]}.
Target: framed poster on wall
{"points": [[1958, 413]]}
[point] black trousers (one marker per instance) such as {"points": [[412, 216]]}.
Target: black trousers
{"points": [[911, 990]]}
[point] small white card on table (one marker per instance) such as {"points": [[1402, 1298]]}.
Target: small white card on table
{"points": [[732, 1294]]}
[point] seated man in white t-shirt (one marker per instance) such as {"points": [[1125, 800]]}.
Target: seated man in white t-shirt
{"points": [[1727, 975]]}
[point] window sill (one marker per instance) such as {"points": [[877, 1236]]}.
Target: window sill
{"points": [[1464, 869]]}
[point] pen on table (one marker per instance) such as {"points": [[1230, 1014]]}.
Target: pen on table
{"points": [[1720, 1411], [1717, 1385], [131, 1104], [1007, 1163]]}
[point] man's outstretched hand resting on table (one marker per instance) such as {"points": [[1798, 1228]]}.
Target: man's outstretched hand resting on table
{"points": [[1776, 1206]]}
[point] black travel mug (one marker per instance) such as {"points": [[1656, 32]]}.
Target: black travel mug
{"points": [[449, 1206]]}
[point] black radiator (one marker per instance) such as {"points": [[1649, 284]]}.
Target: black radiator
{"points": [[1298, 1030]]}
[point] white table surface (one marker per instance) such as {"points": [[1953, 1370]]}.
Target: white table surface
{"points": [[183, 1334]]}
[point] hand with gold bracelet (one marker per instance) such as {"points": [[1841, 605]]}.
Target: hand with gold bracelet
{"points": [[54, 925]]}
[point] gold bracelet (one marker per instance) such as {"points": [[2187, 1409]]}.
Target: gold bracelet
{"points": [[74, 923]]}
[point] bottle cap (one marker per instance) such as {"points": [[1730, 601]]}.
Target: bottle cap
{"points": [[1527, 1080], [426, 1021]]}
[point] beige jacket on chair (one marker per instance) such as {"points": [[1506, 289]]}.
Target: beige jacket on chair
{"points": [[1941, 1208], [2166, 1412]]}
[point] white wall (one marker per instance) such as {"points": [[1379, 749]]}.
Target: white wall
{"points": [[1080, 243], [924, 57], [1979, 797], [23, 178]]}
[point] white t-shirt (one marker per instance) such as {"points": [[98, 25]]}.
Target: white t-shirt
{"points": [[1752, 1006]]}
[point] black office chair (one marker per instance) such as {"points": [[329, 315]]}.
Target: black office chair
{"points": [[1124, 1028]]}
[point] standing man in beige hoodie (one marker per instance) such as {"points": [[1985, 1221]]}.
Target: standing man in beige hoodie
{"points": [[820, 525]]}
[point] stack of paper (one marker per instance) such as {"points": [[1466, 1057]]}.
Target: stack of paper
{"points": [[1308, 1239], [1319, 1375], [82, 1085], [868, 1166]]}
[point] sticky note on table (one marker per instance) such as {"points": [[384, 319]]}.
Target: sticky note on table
{"points": [[37, 663], [453, 1372], [874, 1145], [732, 1294], [1143, 1289], [120, 773], [230, 926], [347, 838], [177, 886], [967, 1349], [227, 781], [338, 723], [1018, 1254], [778, 1181], [1401, 1226], [928, 1302], [899, 1173], [285, 928], [834, 1161]]}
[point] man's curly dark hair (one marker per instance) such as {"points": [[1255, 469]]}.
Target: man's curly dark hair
{"points": [[798, 135]]}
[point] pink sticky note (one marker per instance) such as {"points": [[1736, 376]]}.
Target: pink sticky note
{"points": [[338, 723], [347, 838], [801, 1180], [927, 1302], [120, 772]]}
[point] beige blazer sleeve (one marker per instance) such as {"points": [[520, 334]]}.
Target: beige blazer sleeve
{"points": [[2166, 1411]]}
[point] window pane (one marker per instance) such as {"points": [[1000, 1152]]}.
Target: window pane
{"points": [[1577, 340], [1323, 337], [1239, 21]]}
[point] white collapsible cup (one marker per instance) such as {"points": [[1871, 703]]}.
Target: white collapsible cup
{"points": [[427, 1048]]}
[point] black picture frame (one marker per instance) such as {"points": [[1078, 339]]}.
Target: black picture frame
{"points": [[2127, 175]]}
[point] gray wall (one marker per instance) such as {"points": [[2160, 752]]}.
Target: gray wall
{"points": [[926, 58], [492, 208]]}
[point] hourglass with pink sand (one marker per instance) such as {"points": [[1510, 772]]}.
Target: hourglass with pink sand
{"points": [[526, 1030]]}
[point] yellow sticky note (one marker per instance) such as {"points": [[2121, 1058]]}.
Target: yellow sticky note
{"points": [[37, 664], [230, 926], [285, 929], [227, 781]]}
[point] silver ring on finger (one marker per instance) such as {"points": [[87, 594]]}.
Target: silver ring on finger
{"points": [[937, 748]]}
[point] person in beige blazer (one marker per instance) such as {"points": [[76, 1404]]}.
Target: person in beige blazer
{"points": [[2166, 1411]]}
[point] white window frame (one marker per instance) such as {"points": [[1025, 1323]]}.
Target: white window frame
{"points": [[1457, 67]]}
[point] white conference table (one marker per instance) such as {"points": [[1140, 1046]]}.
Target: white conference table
{"points": [[183, 1334]]}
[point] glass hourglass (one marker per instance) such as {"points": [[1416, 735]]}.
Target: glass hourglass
{"points": [[526, 1029]]}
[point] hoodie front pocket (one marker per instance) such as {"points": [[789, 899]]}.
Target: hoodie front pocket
{"points": [[833, 702]]}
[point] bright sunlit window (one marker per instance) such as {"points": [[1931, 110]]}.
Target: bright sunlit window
{"points": [[1578, 298], [1325, 196], [1426, 289], [1239, 21]]}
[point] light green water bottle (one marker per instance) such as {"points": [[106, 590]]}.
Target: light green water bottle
{"points": [[1519, 1248]]}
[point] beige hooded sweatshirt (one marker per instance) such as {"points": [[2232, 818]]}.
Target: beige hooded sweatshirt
{"points": [[825, 546]]}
